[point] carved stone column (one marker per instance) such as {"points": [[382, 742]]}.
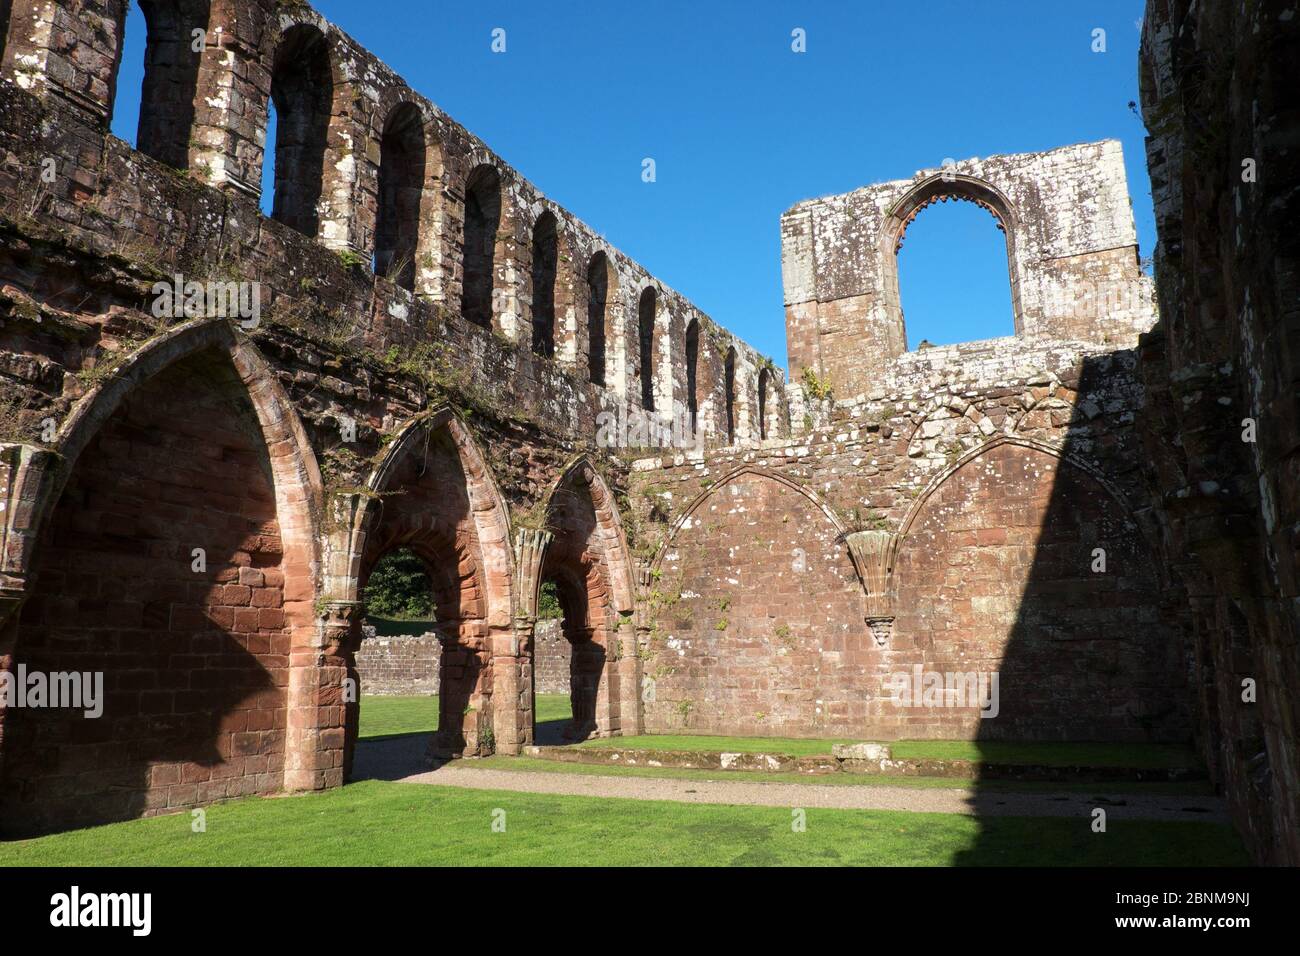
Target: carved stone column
{"points": [[635, 632], [512, 656], [340, 638], [340, 623], [631, 718], [873, 556], [26, 486]]}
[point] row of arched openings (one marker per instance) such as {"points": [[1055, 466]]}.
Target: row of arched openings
{"points": [[301, 105]]}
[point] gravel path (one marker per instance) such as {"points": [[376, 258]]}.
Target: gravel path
{"points": [[805, 795]]}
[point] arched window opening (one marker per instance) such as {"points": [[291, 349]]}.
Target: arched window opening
{"points": [[302, 93], [482, 219], [763, 378], [692, 356], [545, 258], [953, 274], [598, 288], [729, 376], [646, 337], [160, 58], [401, 185]]}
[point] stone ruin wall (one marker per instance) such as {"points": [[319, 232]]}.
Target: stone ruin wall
{"points": [[986, 477], [1218, 89], [1071, 258], [129, 439], [938, 508], [134, 211], [933, 508], [410, 664]]}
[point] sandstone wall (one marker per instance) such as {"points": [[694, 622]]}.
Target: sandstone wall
{"points": [[1071, 258], [988, 476], [1068, 508], [409, 664], [1219, 86], [369, 399]]}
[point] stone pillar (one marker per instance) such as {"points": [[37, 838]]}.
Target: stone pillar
{"points": [[512, 687], [67, 49], [26, 488], [324, 715], [630, 718], [873, 556], [234, 86], [607, 697], [11, 600], [634, 629], [512, 654]]}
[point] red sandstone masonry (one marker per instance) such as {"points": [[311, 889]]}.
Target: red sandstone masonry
{"points": [[408, 665], [995, 467], [1227, 250], [195, 678], [999, 471]]}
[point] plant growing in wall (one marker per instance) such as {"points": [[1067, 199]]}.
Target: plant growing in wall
{"points": [[815, 386], [865, 519], [684, 708]]}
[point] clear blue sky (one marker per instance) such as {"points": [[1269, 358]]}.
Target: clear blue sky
{"points": [[741, 127]]}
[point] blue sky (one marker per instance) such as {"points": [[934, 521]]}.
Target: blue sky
{"points": [[741, 127]]}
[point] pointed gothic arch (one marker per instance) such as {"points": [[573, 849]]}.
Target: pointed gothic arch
{"points": [[198, 510]]}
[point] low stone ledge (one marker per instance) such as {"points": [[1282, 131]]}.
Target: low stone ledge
{"points": [[882, 765], [861, 751]]}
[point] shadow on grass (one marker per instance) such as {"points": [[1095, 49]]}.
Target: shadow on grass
{"points": [[552, 733], [390, 757]]}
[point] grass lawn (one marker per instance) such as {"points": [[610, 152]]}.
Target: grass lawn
{"points": [[412, 824], [1146, 756], [1190, 788], [394, 716]]}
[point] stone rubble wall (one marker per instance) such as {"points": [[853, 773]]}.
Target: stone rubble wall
{"points": [[202, 221], [408, 664]]}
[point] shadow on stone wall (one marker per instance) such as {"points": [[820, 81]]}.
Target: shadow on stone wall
{"points": [[193, 660], [1128, 677]]}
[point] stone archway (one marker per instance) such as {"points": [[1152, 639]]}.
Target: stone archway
{"points": [[755, 616], [997, 572], [587, 557], [173, 554], [433, 494]]}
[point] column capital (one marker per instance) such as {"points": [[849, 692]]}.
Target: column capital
{"points": [[340, 624]]}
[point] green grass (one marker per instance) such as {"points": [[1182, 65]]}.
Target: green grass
{"points": [[1146, 756], [387, 716], [376, 823], [795, 746], [551, 707], [395, 716], [1191, 788]]}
